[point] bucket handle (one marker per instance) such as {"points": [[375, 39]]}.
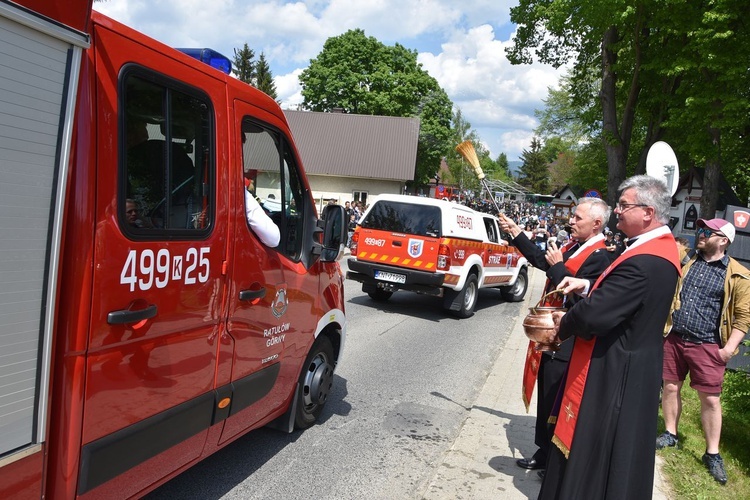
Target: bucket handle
{"points": [[539, 304]]}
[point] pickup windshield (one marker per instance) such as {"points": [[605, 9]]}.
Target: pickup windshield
{"points": [[405, 218]]}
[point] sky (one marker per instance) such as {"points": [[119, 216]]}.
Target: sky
{"points": [[459, 43]]}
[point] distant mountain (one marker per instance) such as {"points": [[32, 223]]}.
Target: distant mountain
{"points": [[514, 167]]}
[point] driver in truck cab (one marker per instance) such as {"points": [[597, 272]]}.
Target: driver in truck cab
{"points": [[261, 224]]}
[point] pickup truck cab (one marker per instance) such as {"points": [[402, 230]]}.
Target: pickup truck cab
{"points": [[434, 247]]}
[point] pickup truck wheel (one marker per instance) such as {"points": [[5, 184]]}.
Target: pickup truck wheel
{"points": [[380, 295], [469, 295], [517, 292], [315, 382]]}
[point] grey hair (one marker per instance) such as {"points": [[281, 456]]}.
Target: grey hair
{"points": [[651, 192], [598, 209]]}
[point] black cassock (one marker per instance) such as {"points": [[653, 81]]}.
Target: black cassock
{"points": [[553, 365], [613, 449]]}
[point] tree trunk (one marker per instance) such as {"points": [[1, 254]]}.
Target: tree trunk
{"points": [[711, 176], [610, 134], [617, 137]]}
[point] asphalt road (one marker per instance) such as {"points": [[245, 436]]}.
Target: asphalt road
{"points": [[408, 377]]}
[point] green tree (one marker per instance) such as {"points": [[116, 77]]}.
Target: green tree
{"points": [[359, 74], [534, 172], [503, 167], [710, 109], [665, 71], [590, 170], [461, 173], [565, 117], [434, 112], [264, 77], [594, 34], [244, 64], [562, 170]]}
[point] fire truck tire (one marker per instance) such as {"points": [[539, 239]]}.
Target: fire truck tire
{"points": [[380, 295], [468, 297], [315, 382], [517, 291]]}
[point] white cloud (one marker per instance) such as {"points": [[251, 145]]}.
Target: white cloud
{"points": [[459, 44], [497, 98], [289, 90]]}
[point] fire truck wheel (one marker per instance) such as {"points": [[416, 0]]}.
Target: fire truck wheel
{"points": [[315, 383], [517, 292], [468, 297], [380, 295]]}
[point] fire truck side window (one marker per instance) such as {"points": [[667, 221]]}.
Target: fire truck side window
{"points": [[270, 170], [168, 155]]}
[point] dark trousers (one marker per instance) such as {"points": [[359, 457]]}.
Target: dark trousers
{"points": [[550, 377]]}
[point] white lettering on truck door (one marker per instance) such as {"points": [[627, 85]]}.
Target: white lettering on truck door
{"points": [[147, 270]]}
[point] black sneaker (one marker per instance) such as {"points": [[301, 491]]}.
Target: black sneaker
{"points": [[716, 467], [666, 440]]}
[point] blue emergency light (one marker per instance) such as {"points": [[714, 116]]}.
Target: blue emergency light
{"points": [[210, 57]]}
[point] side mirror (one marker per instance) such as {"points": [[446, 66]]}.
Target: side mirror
{"points": [[335, 232]]}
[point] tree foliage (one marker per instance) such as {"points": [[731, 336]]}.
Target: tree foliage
{"points": [[650, 70], [244, 64], [359, 74], [255, 73], [461, 173], [534, 172], [503, 167], [264, 77]]}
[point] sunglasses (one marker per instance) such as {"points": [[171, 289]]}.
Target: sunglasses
{"points": [[707, 233]]}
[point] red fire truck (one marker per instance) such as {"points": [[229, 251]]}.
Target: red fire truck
{"points": [[143, 324]]}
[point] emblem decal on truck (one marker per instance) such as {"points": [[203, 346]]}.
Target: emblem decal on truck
{"points": [[280, 303], [415, 248]]}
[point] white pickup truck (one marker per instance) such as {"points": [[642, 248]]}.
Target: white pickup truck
{"points": [[434, 247]]}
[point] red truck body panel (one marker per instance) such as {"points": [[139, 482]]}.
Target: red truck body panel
{"points": [[132, 403]]}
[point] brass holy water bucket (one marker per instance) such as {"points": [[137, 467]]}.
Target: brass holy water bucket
{"points": [[539, 326]]}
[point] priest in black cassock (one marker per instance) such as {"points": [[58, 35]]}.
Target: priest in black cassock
{"points": [[606, 417], [585, 256]]}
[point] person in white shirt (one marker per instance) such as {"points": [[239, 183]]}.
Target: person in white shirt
{"points": [[259, 221]]}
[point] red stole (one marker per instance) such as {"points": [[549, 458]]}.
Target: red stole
{"points": [[533, 356], [663, 246]]}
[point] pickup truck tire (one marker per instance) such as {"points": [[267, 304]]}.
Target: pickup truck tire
{"points": [[517, 291], [468, 297], [315, 382], [380, 295]]}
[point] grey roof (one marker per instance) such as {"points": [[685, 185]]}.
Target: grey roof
{"points": [[378, 147]]}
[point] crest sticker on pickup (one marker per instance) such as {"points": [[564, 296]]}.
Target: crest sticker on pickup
{"points": [[415, 248]]}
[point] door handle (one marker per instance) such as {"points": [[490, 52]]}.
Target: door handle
{"points": [[252, 294], [126, 316]]}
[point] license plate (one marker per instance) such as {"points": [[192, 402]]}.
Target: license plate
{"points": [[392, 277]]}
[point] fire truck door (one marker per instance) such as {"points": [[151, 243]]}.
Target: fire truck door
{"points": [[259, 293], [160, 243]]}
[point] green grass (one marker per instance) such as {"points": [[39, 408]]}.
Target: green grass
{"points": [[688, 478]]}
